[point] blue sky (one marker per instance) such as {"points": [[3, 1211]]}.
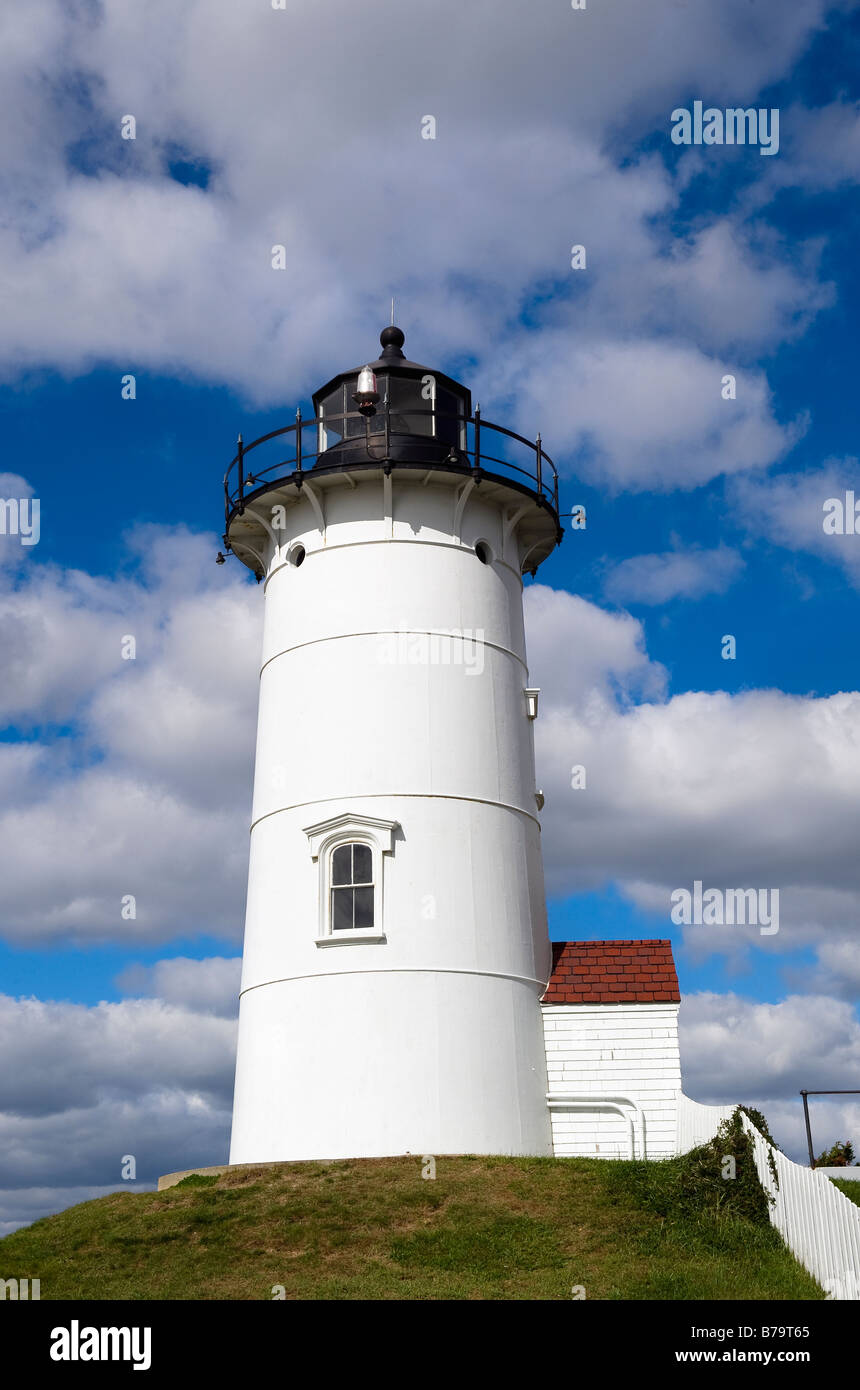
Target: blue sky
{"points": [[704, 516]]}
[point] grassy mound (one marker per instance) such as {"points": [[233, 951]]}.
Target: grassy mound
{"points": [[484, 1228]]}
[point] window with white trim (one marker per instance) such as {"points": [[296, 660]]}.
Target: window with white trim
{"points": [[350, 851]]}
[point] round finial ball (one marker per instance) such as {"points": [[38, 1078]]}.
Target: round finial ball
{"points": [[392, 337]]}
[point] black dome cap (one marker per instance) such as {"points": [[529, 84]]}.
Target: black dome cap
{"points": [[392, 360]]}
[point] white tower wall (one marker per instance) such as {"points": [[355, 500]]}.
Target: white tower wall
{"points": [[428, 1040]]}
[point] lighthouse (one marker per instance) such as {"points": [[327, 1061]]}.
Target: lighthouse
{"points": [[396, 945]]}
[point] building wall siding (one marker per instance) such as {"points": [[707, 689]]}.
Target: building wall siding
{"points": [[613, 1050]]}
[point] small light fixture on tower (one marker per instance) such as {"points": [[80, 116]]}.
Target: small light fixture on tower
{"points": [[366, 395]]}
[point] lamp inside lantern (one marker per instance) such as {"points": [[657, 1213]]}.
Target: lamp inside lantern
{"points": [[366, 394]]}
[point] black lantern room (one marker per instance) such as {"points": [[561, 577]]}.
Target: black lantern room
{"points": [[393, 409]]}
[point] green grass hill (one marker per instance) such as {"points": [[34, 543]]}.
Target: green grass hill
{"points": [[483, 1228]]}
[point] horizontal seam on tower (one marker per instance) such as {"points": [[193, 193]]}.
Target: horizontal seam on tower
{"points": [[398, 970], [394, 632], [424, 796]]}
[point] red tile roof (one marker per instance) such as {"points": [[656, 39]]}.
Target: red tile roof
{"points": [[612, 972]]}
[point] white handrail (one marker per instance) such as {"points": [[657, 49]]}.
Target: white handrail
{"points": [[574, 1100]]}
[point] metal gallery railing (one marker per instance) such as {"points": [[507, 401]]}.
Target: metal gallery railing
{"points": [[468, 454]]}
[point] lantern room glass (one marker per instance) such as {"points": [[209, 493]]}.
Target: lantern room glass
{"points": [[418, 407]]}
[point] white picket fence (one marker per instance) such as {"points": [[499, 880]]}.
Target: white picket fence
{"points": [[818, 1223], [697, 1124]]}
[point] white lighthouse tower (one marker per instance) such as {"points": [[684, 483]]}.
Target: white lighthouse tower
{"points": [[396, 943]]}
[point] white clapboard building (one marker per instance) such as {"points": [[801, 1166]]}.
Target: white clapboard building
{"points": [[400, 993]]}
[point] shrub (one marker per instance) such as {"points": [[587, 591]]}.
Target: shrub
{"points": [[705, 1174], [839, 1156]]}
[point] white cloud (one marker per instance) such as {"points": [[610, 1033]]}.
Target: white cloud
{"points": [[738, 1050], [788, 510], [647, 414], [737, 1045], [84, 1147], [151, 1078], [92, 1085], [107, 259], [756, 789], [608, 650], [149, 794], [653, 579], [819, 150], [97, 1054], [20, 522], [739, 286], [836, 972], [209, 986]]}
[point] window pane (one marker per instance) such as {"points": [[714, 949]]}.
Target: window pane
{"points": [[447, 428], [406, 393], [341, 861], [355, 428], [362, 864], [330, 410], [363, 907], [341, 909]]}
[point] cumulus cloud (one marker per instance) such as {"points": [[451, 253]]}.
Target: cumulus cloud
{"points": [[93, 1085], [84, 1147], [645, 415], [108, 258], [790, 510], [819, 150], [145, 790], [209, 986], [755, 789], [98, 1053], [738, 1050], [653, 579], [20, 521], [582, 653], [836, 971], [737, 1045]]}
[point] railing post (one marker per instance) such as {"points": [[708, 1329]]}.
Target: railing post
{"points": [[386, 406], [299, 440], [539, 461], [808, 1130], [241, 478], [477, 460]]}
